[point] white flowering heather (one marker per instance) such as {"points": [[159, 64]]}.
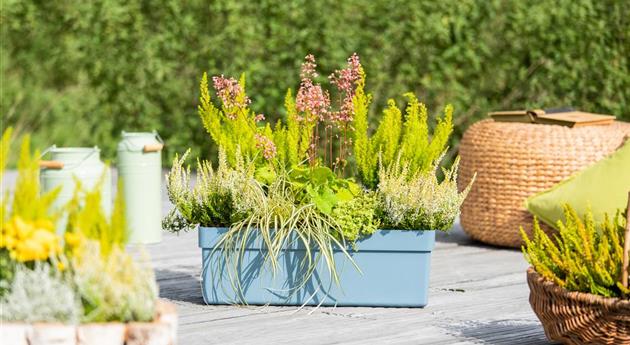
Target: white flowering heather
{"points": [[114, 288], [219, 197], [40, 295], [418, 201]]}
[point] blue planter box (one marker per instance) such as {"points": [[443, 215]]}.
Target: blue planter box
{"points": [[394, 264]]}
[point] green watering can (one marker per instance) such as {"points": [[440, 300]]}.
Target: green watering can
{"points": [[140, 169], [69, 163]]}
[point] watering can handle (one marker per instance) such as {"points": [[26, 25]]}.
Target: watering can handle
{"points": [[51, 164], [152, 147], [60, 165]]}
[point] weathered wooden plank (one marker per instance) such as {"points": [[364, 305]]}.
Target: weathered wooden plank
{"points": [[479, 295]]}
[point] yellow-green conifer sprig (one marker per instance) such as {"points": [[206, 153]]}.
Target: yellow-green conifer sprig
{"points": [[28, 203], [395, 135], [365, 159], [87, 217], [386, 139], [5, 146], [415, 137], [584, 256]]}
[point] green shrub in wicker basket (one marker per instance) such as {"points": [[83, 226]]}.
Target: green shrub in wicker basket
{"points": [[579, 279]]}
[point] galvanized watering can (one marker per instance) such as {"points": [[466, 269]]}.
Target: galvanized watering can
{"points": [[140, 169], [69, 163]]}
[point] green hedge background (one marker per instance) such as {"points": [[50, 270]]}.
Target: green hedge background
{"points": [[78, 72]]}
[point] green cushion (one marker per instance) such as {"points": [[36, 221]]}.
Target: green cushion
{"points": [[602, 188]]}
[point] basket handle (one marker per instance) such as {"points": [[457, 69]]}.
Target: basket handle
{"points": [[51, 164], [152, 147], [626, 248]]}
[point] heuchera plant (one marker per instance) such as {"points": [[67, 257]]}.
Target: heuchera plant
{"points": [[326, 151]]}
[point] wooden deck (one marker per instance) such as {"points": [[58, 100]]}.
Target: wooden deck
{"points": [[478, 295]]}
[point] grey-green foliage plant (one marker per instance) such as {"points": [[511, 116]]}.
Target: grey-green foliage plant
{"points": [[126, 64], [40, 294], [417, 200]]}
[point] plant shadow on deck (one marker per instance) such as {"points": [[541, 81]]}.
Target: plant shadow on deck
{"points": [[179, 285], [500, 332], [457, 236]]}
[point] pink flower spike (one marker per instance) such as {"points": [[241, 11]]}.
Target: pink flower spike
{"points": [[308, 68], [311, 98], [231, 94], [266, 145], [346, 80], [259, 117]]}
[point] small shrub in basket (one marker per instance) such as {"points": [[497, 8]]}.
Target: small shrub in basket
{"points": [[579, 279]]}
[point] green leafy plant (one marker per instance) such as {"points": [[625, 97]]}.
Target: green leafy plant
{"points": [[27, 231], [85, 216], [233, 124], [357, 217], [5, 146], [444, 52], [112, 286], [320, 186], [583, 256], [28, 203]]}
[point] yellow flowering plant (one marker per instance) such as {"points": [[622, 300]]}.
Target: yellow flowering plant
{"points": [[30, 240], [86, 269], [27, 232]]}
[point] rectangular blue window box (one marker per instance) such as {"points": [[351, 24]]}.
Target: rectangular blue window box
{"points": [[394, 264]]}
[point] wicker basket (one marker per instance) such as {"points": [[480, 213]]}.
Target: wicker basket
{"points": [[576, 317], [516, 160]]}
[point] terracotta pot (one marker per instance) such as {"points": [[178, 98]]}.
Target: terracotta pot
{"points": [[149, 333], [109, 333], [14, 333], [53, 334], [166, 312]]}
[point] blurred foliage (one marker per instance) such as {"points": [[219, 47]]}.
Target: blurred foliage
{"points": [[77, 73]]}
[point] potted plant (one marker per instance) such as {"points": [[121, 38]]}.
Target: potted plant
{"points": [[79, 287], [316, 211], [579, 279]]}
